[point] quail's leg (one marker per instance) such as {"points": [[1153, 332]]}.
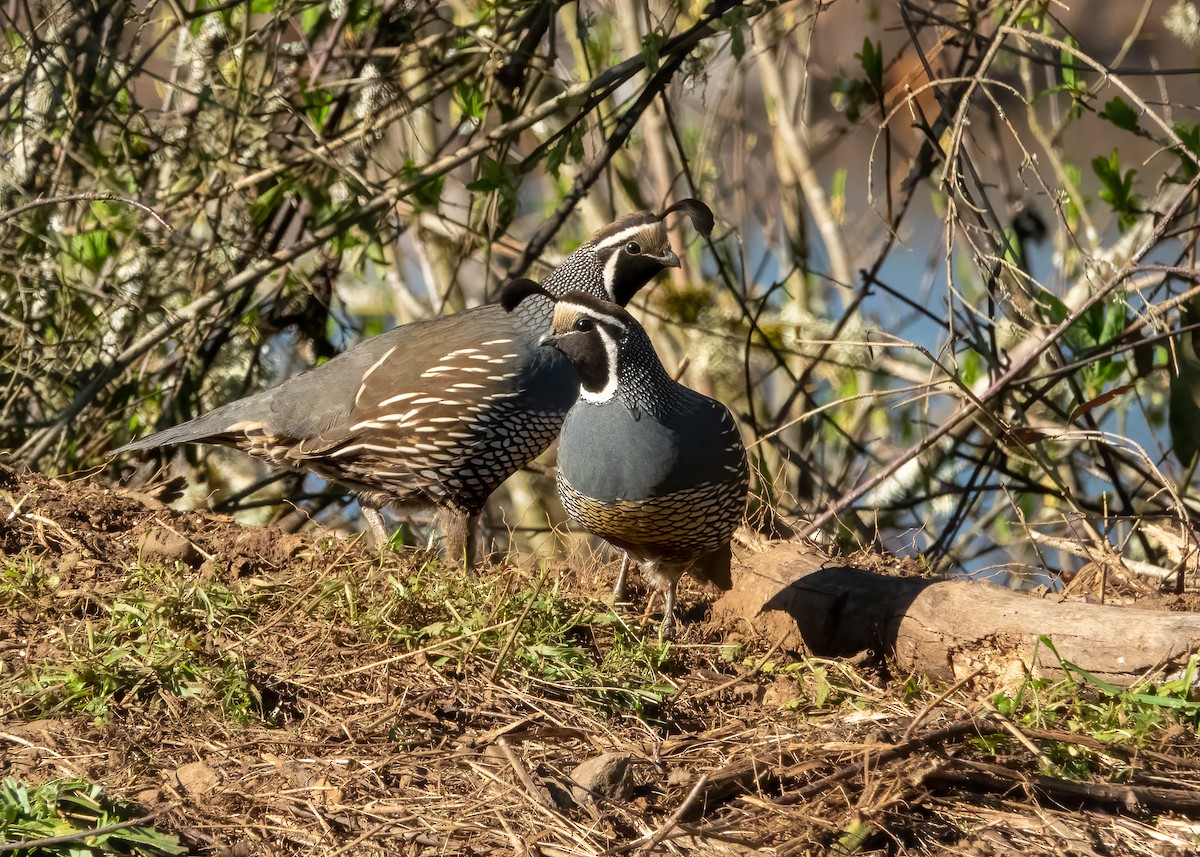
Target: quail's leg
{"points": [[458, 530], [375, 526], [666, 631], [619, 590]]}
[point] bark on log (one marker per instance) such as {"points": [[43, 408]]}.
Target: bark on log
{"points": [[947, 628]]}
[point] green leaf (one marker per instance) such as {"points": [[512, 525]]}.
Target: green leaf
{"points": [[1072, 82], [1115, 320], [1117, 188], [103, 210], [871, 60], [970, 367], [1070, 77], [597, 34], [310, 17], [470, 101], [837, 195], [317, 103], [735, 21], [92, 248], [848, 95], [1032, 16], [1052, 309], [569, 146], [1190, 136], [651, 44], [1075, 175], [498, 177], [428, 193], [264, 208], [1120, 114], [344, 241], [70, 807], [376, 253]]}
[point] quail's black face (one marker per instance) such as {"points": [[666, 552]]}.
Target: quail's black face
{"points": [[634, 268], [631, 251], [590, 333], [622, 257]]}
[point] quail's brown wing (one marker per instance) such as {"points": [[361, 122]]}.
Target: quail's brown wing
{"points": [[314, 405], [442, 410], [446, 413]]}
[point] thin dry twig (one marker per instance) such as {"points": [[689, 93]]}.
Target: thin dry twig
{"points": [[519, 769], [1001, 385], [939, 699], [755, 670], [648, 844], [886, 755], [982, 775], [88, 196]]}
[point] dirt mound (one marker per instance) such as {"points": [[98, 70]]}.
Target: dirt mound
{"points": [[84, 519], [262, 693]]}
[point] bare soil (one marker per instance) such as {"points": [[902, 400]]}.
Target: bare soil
{"points": [[361, 744]]}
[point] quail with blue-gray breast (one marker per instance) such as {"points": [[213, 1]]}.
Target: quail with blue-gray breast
{"points": [[440, 412], [647, 464]]}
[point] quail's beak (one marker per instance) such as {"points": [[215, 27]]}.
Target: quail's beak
{"points": [[550, 339], [667, 260]]}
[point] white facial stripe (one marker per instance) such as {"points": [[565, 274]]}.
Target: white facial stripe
{"points": [[610, 348], [588, 310], [610, 276], [567, 312], [621, 237]]}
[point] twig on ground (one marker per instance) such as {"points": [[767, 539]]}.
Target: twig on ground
{"points": [[409, 655], [981, 775], [645, 846], [523, 775], [942, 697], [725, 685], [1021, 737], [897, 751]]}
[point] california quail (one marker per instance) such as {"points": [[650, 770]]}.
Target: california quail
{"points": [[440, 412], [647, 464]]}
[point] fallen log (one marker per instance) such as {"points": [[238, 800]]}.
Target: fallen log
{"points": [[947, 628]]}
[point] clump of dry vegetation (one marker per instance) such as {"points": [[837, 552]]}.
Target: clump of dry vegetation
{"points": [[241, 691], [951, 299]]}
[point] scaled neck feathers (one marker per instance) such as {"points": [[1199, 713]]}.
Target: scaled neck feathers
{"points": [[642, 384]]}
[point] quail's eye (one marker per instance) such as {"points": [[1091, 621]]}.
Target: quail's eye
{"points": [[633, 248], [583, 325]]}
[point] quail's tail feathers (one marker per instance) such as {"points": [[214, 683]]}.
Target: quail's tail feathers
{"points": [[213, 427], [715, 568]]}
